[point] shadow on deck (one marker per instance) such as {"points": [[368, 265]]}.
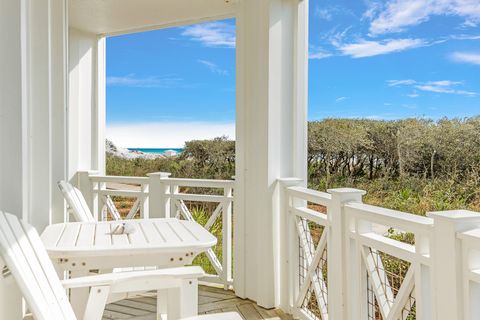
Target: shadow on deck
{"points": [[210, 300]]}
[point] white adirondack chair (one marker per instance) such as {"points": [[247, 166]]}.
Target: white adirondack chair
{"points": [[78, 206], [76, 202], [22, 250]]}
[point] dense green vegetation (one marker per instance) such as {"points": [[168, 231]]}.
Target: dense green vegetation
{"points": [[413, 165]]}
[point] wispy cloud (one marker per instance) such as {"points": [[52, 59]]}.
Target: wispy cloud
{"points": [[329, 12], [397, 15], [394, 83], [340, 99], [366, 48], [439, 86], [214, 68], [166, 134], [131, 80], [466, 57], [212, 34], [413, 95], [316, 53]]}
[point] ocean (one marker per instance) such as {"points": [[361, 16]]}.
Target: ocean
{"points": [[156, 150]]}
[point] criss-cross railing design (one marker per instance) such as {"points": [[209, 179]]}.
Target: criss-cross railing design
{"points": [[177, 197], [356, 261], [311, 227], [220, 193]]}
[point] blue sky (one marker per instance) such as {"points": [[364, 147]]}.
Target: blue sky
{"points": [[371, 59]]}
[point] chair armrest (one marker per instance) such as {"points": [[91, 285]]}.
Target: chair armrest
{"points": [[110, 279]]}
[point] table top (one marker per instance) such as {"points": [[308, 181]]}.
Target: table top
{"points": [[93, 239]]}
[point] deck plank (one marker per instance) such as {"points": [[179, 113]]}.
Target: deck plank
{"points": [[211, 300]]}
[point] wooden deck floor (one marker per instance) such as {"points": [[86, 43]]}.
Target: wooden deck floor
{"points": [[210, 300]]}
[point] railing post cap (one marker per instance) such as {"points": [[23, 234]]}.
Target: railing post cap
{"points": [[290, 182], [346, 191], [159, 174], [454, 215], [89, 172]]}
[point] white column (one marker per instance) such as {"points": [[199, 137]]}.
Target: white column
{"points": [[337, 250], [32, 113], [447, 261], [271, 135], [33, 108], [86, 116]]}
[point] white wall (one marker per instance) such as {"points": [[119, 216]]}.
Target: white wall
{"points": [[86, 114], [11, 169]]}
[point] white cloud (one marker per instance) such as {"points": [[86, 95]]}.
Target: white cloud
{"points": [[166, 134], [397, 15], [443, 89], [131, 80], [366, 48], [340, 99], [439, 86], [394, 83], [316, 53], [212, 34], [466, 57], [444, 83], [213, 67]]}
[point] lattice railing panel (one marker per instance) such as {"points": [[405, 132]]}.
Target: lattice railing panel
{"points": [[390, 286], [313, 296]]}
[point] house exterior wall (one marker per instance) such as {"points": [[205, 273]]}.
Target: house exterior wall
{"points": [[11, 166]]}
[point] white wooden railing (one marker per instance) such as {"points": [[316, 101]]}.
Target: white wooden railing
{"points": [[339, 258], [349, 260], [158, 196]]}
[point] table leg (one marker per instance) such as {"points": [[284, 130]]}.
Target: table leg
{"points": [[183, 301], [79, 297]]}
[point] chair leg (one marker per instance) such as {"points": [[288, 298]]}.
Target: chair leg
{"points": [[79, 296], [162, 301], [183, 301], [96, 303]]}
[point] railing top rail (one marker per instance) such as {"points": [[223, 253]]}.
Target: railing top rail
{"points": [[317, 197], [205, 183], [119, 179], [397, 219]]}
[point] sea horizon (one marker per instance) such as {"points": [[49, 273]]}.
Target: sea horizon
{"points": [[157, 150]]}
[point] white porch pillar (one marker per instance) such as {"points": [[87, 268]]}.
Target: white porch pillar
{"points": [[32, 117], [272, 57], [33, 108], [86, 116]]}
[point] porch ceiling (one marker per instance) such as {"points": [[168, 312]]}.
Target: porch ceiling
{"points": [[124, 16]]}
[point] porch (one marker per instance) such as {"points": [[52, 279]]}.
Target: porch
{"points": [[210, 300]]}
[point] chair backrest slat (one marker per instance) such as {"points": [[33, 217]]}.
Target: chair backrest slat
{"points": [[50, 272], [76, 202], [20, 247]]}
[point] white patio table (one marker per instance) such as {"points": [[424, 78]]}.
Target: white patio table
{"points": [[79, 247]]}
